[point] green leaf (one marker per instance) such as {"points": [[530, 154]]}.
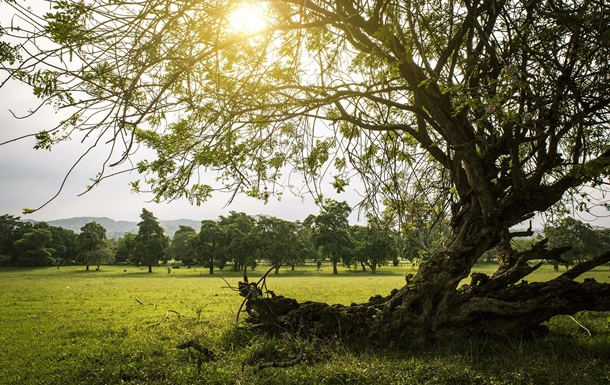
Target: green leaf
{"points": [[43, 141]]}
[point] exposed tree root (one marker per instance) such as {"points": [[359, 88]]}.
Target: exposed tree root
{"points": [[412, 315]]}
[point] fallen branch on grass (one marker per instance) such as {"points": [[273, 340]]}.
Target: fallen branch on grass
{"points": [[166, 317], [142, 303], [581, 325], [206, 352]]}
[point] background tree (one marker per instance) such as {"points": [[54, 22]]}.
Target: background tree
{"points": [[373, 245], [242, 240], [182, 247], [150, 244], [211, 244], [304, 248], [125, 248], [11, 230], [33, 248], [604, 236], [92, 246], [277, 240], [330, 231], [503, 105], [64, 244], [584, 241]]}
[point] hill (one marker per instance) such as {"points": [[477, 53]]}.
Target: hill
{"points": [[116, 229]]}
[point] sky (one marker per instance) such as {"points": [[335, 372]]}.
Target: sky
{"points": [[29, 178]]}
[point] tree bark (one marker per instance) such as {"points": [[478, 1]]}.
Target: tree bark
{"points": [[373, 267]]}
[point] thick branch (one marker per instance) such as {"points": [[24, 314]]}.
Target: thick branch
{"points": [[520, 308], [539, 251], [585, 266], [482, 285]]}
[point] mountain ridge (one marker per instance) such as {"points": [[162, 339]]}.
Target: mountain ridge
{"points": [[118, 228]]}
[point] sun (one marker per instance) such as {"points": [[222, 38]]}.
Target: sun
{"points": [[248, 19]]}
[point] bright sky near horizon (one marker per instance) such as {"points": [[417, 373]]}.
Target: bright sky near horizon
{"points": [[28, 178]]}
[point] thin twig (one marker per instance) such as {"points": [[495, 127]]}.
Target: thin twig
{"points": [[201, 349], [228, 284], [166, 317], [582, 326]]}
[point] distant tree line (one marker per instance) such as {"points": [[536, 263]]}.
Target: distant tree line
{"points": [[240, 241]]}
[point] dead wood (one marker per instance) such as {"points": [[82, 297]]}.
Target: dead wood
{"points": [[166, 317], [495, 306], [205, 351]]}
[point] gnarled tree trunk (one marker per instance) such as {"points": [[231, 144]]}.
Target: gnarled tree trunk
{"points": [[432, 306]]}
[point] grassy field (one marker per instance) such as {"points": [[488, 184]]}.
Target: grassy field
{"points": [[69, 326]]}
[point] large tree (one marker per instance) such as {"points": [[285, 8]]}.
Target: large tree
{"points": [[64, 244], [584, 241], [330, 232], [211, 244], [496, 109], [33, 248], [150, 244], [373, 245], [92, 245], [124, 248], [11, 230], [277, 240], [183, 247], [241, 239]]}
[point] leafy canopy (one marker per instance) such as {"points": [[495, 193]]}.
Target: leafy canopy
{"points": [[495, 106], [150, 244]]}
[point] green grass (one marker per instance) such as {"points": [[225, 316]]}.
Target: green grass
{"points": [[68, 326]]}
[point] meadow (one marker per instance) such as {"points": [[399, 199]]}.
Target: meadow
{"points": [[121, 325]]}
